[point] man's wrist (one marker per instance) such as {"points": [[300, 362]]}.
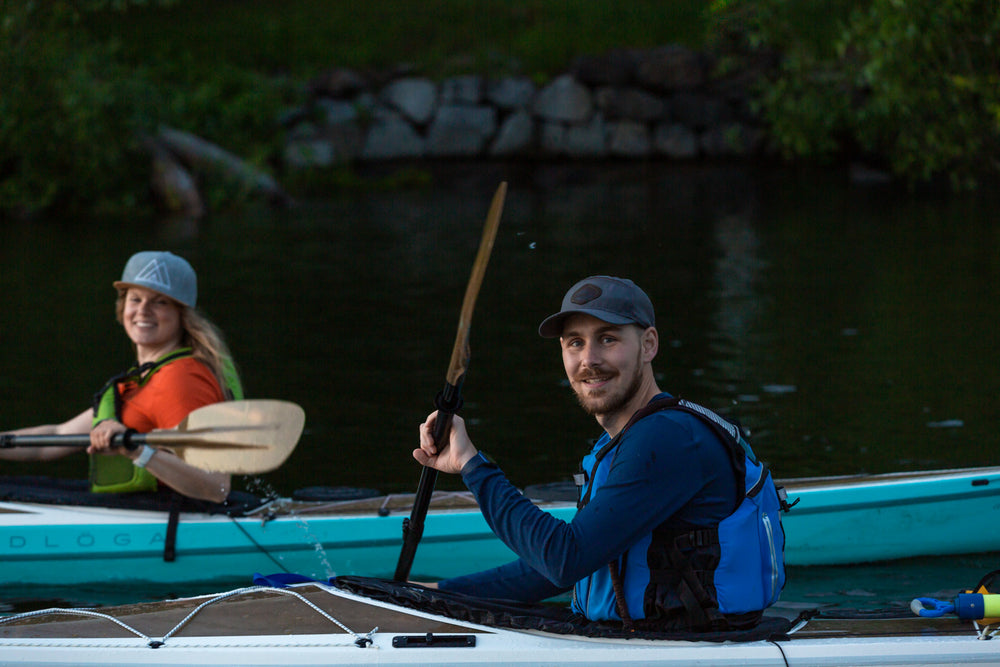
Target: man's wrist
{"points": [[479, 460]]}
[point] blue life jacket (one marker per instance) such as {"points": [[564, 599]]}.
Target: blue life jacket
{"points": [[706, 579]]}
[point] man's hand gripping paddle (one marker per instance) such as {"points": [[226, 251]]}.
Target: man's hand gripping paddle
{"points": [[449, 400]]}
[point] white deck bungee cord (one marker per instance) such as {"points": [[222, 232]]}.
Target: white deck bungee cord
{"points": [[361, 641]]}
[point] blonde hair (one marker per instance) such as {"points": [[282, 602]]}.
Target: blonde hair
{"points": [[206, 341]]}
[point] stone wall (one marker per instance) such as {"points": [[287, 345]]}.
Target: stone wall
{"points": [[663, 102]]}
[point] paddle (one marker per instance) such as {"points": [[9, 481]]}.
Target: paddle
{"points": [[246, 437], [449, 400]]}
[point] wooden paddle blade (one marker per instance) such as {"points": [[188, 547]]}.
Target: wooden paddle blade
{"points": [[460, 352], [248, 437]]}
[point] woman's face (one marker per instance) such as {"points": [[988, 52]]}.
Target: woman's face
{"points": [[151, 320]]}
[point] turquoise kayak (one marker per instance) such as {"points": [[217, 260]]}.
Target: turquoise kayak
{"points": [[835, 520]]}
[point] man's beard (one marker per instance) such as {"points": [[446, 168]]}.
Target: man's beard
{"points": [[613, 402]]}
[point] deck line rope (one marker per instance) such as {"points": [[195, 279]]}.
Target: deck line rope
{"points": [[74, 612], [361, 641]]}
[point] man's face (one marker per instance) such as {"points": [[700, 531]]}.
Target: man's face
{"points": [[603, 362]]}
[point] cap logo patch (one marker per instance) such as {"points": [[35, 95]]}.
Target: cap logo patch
{"points": [[155, 273], [586, 294]]}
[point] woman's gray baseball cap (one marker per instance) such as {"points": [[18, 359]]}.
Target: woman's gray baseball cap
{"points": [[612, 300], [162, 272]]}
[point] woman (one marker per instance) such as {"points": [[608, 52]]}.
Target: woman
{"points": [[182, 364]]}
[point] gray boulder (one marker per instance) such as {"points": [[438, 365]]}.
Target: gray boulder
{"points": [[630, 104], [415, 98], [565, 100], [467, 89], [461, 130], [676, 141], [515, 136], [511, 92], [587, 139], [629, 138], [671, 68], [391, 137], [552, 138], [696, 110], [337, 111]]}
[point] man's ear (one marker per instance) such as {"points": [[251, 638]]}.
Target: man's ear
{"points": [[650, 342]]}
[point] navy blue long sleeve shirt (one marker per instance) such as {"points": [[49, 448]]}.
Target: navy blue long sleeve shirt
{"points": [[669, 466]]}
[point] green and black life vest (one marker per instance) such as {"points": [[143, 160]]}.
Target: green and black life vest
{"points": [[116, 473]]}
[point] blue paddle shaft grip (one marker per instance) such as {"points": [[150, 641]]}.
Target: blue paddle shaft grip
{"points": [[977, 606]]}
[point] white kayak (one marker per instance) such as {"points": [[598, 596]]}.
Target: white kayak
{"points": [[318, 624]]}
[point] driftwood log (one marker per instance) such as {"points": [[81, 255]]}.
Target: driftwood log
{"points": [[173, 185], [176, 154]]}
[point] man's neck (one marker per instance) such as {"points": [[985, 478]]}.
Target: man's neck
{"points": [[614, 422]]}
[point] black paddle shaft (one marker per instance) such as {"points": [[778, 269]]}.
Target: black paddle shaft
{"points": [[130, 440], [448, 403]]}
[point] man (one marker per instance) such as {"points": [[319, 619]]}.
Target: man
{"points": [[657, 485]]}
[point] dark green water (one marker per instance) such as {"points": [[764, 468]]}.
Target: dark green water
{"points": [[852, 329]]}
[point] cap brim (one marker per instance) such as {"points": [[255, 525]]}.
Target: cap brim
{"points": [[552, 326], [118, 284]]}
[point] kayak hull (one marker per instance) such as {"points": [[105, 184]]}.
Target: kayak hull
{"points": [[858, 519], [61, 545], [838, 520]]}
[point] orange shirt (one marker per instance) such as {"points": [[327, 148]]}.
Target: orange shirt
{"points": [[171, 393]]}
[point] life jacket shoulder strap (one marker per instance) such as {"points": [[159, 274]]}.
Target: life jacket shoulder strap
{"points": [[140, 372], [653, 406]]}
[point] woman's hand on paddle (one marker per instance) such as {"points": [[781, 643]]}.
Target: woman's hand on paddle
{"points": [[453, 456], [101, 436]]}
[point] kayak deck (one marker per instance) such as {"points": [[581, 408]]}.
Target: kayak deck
{"points": [[306, 610], [314, 624], [236, 616]]}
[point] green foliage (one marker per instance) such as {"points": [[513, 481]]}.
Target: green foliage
{"points": [[808, 109], [804, 98], [70, 117], [929, 73], [74, 111], [914, 84], [785, 26], [299, 38]]}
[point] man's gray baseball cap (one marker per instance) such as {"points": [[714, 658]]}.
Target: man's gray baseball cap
{"points": [[612, 300], [163, 272]]}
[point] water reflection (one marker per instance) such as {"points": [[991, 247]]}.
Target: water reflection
{"points": [[837, 323], [738, 307]]}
